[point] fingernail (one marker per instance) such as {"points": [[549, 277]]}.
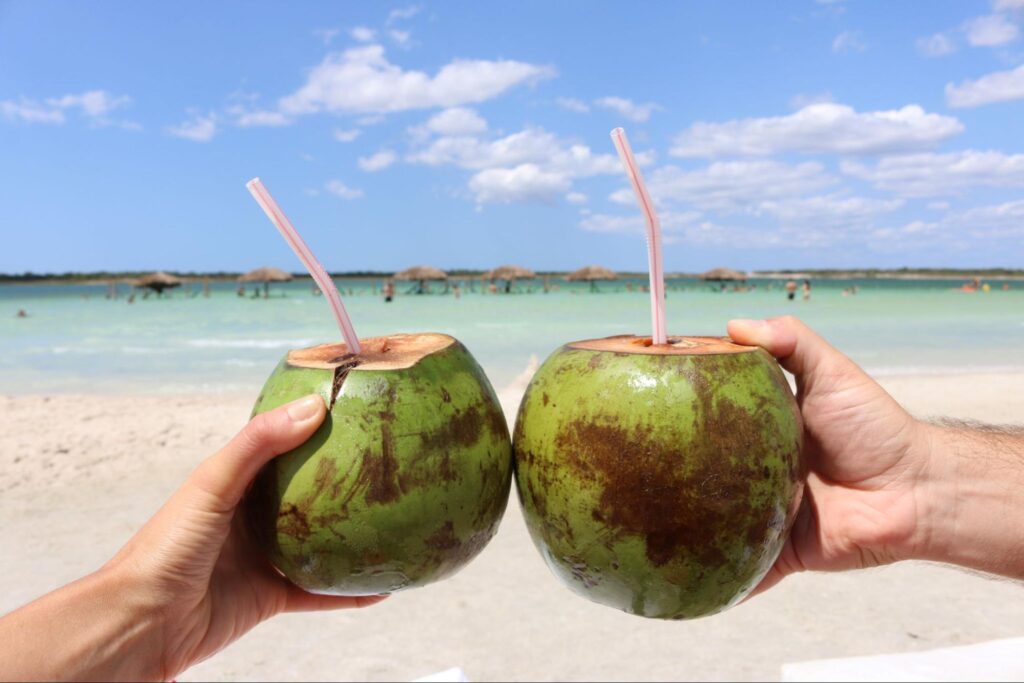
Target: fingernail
{"points": [[304, 408]]}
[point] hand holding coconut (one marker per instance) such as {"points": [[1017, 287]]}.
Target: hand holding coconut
{"points": [[189, 583], [883, 486]]}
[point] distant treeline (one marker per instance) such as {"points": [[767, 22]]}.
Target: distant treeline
{"points": [[103, 275], [900, 272], [824, 273]]}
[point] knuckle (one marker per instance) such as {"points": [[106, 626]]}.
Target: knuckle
{"points": [[261, 429]]}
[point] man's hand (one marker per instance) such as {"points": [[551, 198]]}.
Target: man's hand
{"points": [[863, 505], [883, 486]]}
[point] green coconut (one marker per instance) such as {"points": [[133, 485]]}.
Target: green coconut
{"points": [[661, 480], [403, 484]]}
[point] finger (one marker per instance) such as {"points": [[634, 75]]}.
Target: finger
{"points": [[797, 347], [226, 475], [300, 601]]}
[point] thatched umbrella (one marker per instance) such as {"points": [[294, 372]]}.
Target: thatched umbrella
{"points": [[421, 273], [722, 275], [509, 274], [158, 282], [266, 275], [592, 274]]}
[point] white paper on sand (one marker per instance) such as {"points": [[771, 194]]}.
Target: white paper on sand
{"points": [[996, 660], [453, 675]]}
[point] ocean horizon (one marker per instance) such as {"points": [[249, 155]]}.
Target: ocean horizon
{"points": [[76, 340]]}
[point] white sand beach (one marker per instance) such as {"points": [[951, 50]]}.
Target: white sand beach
{"points": [[78, 474]]}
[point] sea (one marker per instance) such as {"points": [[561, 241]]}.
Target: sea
{"points": [[78, 339]]}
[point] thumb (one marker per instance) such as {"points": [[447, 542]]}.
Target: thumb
{"points": [[797, 347], [226, 475]]}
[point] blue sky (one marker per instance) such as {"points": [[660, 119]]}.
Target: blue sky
{"points": [[802, 134]]}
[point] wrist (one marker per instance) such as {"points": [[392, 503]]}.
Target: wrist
{"points": [[971, 507], [96, 628]]}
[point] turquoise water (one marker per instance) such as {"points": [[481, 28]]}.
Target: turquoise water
{"points": [[76, 340]]}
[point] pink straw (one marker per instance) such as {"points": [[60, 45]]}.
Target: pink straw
{"points": [[320, 276], [653, 236]]}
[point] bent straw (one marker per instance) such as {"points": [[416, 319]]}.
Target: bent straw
{"points": [[653, 236], [320, 276]]}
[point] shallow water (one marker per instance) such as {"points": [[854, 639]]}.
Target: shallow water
{"points": [[77, 340]]}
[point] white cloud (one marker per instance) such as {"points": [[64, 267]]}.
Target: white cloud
{"points": [[523, 183], [959, 230], [834, 211], [646, 158], [801, 101], [819, 128], [401, 38], [340, 189], [936, 45], [403, 13], [939, 206], [576, 198], [629, 109], [370, 120], [1000, 86], [1001, 220], [378, 161], [326, 34], [362, 80], [346, 135], [94, 105], [456, 122], [848, 41], [671, 221], [685, 226], [250, 119], [363, 34], [28, 111], [731, 185], [932, 175], [200, 128], [530, 146], [991, 31], [1007, 5], [530, 165], [572, 104]]}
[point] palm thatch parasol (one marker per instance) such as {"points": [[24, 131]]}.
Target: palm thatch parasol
{"points": [[266, 275], [591, 274], [509, 273], [722, 275], [422, 273], [158, 281]]}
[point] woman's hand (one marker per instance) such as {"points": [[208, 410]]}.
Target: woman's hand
{"points": [[183, 588]]}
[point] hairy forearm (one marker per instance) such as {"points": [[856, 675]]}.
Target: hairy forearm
{"points": [[975, 497], [92, 629]]}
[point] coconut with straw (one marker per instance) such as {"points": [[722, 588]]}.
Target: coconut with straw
{"points": [[659, 474], [408, 476]]}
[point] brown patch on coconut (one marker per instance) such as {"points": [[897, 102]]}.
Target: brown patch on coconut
{"points": [[676, 346]]}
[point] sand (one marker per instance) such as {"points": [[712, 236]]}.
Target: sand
{"points": [[78, 474]]}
